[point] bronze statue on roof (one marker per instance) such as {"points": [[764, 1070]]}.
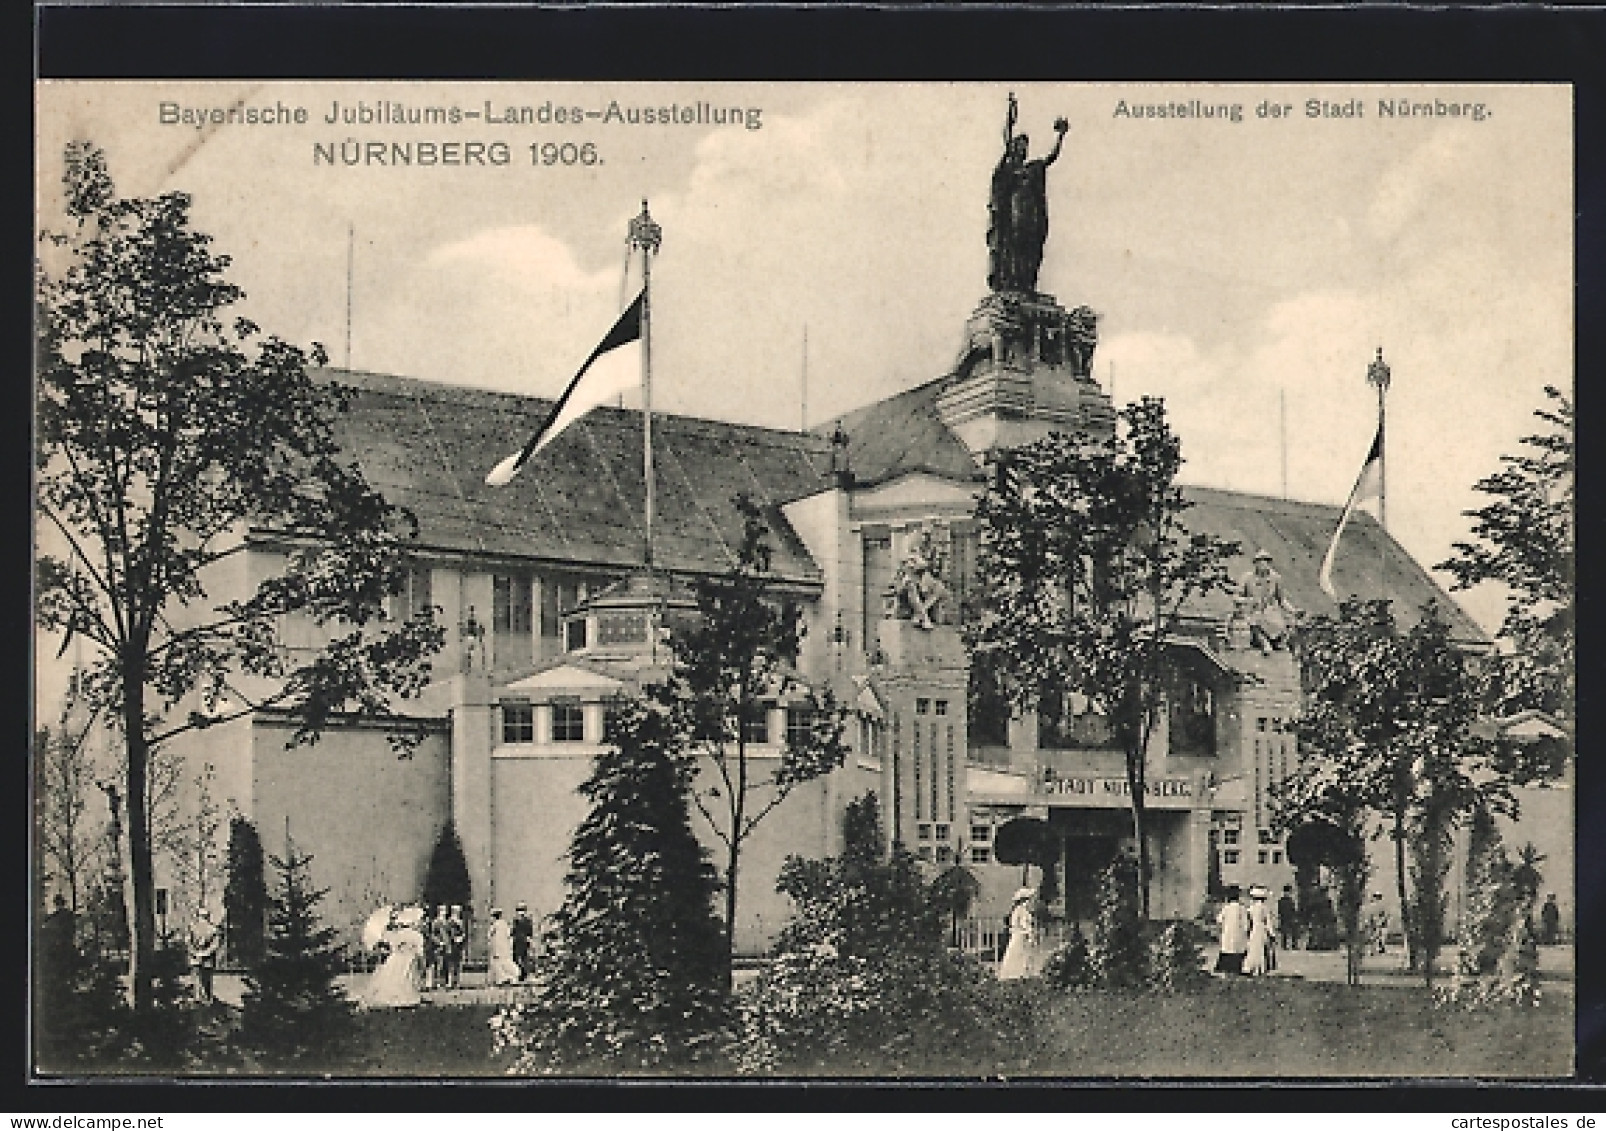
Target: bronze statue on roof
{"points": [[1017, 213]]}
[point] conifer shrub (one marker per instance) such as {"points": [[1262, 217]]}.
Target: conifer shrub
{"points": [[295, 1015], [1117, 954], [245, 896], [632, 975]]}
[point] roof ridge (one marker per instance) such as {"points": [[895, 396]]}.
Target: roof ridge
{"points": [[372, 381]]}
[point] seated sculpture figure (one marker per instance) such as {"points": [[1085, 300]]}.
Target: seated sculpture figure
{"points": [[918, 592], [1270, 614]]}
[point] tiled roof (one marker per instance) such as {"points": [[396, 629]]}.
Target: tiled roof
{"points": [[428, 447], [1370, 564], [903, 434]]}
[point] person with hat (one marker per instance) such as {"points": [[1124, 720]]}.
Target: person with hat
{"points": [[396, 983], [1020, 958], [204, 942], [523, 931], [1259, 958], [1270, 613], [503, 970], [1233, 922]]}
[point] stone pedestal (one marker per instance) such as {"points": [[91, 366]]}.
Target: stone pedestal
{"points": [[923, 678], [473, 720], [1025, 370]]}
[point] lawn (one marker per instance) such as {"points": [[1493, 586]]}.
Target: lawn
{"points": [[1278, 1027]]}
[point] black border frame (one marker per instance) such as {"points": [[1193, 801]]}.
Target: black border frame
{"points": [[1364, 42]]}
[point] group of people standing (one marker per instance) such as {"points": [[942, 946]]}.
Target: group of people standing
{"points": [[511, 946], [427, 953], [1248, 933]]}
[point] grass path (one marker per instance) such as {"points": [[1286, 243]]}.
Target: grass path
{"points": [[1275, 1027]]}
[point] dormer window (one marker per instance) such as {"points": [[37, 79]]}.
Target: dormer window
{"points": [[574, 634]]}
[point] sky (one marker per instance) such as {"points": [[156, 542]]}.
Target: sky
{"points": [[1246, 271]]}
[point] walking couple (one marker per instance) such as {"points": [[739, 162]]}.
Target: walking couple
{"points": [[1248, 933]]}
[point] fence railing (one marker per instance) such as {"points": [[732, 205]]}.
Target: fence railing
{"points": [[987, 937]]}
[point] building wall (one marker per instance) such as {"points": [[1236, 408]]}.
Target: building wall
{"points": [[369, 818]]}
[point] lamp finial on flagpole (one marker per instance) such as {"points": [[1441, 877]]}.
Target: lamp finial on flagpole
{"points": [[1377, 374]]}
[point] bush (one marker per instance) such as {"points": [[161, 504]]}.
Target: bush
{"points": [[1176, 958], [861, 971], [1067, 968], [1117, 956]]}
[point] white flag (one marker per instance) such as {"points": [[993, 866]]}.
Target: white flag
{"points": [[590, 387], [1368, 485]]}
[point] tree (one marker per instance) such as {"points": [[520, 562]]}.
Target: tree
{"points": [[294, 1011], [633, 972], [729, 667], [166, 430], [1086, 568], [1388, 729], [1323, 822], [1526, 541], [68, 841], [446, 881], [245, 895]]}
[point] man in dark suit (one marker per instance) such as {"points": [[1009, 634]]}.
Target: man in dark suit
{"points": [[523, 938]]}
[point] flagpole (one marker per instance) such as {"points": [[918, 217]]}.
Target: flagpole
{"points": [[1378, 376], [646, 235]]}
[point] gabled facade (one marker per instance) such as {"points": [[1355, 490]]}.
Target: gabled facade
{"points": [[549, 616]]}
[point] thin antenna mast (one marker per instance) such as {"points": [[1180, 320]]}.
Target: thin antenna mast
{"points": [[803, 408], [351, 256], [1282, 433]]}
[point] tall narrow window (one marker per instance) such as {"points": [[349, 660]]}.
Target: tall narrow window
{"points": [[568, 721], [415, 599], [511, 619]]}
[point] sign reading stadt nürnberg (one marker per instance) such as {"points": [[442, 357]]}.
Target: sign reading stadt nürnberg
{"points": [[1162, 793]]}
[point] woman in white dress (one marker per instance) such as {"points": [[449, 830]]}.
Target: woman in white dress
{"points": [[499, 935], [395, 983], [1259, 958], [1020, 958]]}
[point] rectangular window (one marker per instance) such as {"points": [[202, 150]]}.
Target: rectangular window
{"points": [[512, 616], [1260, 724], [756, 727], [923, 832], [942, 832], [1229, 836], [799, 721], [1276, 856], [518, 722], [922, 706], [574, 635], [981, 832], [568, 722], [1263, 856], [558, 596], [945, 854], [981, 855], [923, 853], [415, 599], [941, 707], [1230, 856]]}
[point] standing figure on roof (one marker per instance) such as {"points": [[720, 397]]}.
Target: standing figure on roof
{"points": [[1017, 213], [1269, 612]]}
